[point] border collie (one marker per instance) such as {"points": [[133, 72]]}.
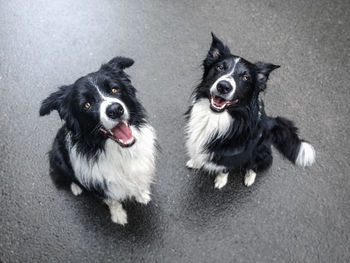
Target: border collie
{"points": [[227, 127], [106, 146]]}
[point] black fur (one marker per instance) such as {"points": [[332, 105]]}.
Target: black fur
{"points": [[247, 145], [84, 124]]}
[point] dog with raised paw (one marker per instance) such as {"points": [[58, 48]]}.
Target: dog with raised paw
{"points": [[106, 145], [226, 125]]}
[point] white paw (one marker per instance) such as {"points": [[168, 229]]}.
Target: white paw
{"points": [[118, 215], [306, 155], [249, 178], [144, 198], [221, 180], [191, 165], [76, 190]]}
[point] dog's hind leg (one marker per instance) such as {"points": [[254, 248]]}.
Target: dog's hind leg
{"points": [[118, 214], [60, 168], [221, 180], [249, 178], [76, 190], [263, 157], [261, 162]]}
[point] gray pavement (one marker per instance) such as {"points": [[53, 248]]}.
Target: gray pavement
{"points": [[289, 215]]}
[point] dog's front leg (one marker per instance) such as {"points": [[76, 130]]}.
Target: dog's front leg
{"points": [[118, 214], [191, 164], [221, 180]]}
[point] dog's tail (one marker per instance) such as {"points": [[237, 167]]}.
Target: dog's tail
{"points": [[285, 138]]}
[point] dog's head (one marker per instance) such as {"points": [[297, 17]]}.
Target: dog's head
{"points": [[101, 104], [230, 81]]}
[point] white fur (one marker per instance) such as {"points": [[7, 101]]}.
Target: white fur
{"points": [[191, 165], [229, 78], [144, 198], [203, 124], [221, 180], [249, 178], [76, 190], [306, 155], [127, 172], [118, 214]]}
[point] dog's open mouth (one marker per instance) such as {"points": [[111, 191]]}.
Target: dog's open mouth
{"points": [[121, 133], [219, 104]]}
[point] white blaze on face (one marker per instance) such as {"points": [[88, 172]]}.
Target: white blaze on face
{"points": [[229, 78], [107, 122]]}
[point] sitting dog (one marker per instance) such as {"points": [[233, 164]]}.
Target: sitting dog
{"points": [[106, 146], [227, 127]]}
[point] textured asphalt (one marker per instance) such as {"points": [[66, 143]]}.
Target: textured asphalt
{"points": [[289, 215]]}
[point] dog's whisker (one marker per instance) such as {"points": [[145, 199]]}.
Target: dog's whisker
{"points": [[97, 127]]}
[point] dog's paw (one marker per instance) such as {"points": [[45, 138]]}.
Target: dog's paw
{"points": [[249, 178], [221, 180], [143, 198], [119, 216], [191, 165], [76, 190]]}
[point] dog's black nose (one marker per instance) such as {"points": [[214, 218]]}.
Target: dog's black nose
{"points": [[114, 111], [224, 87]]}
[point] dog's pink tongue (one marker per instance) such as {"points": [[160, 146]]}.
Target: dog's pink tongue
{"points": [[219, 101], [122, 132]]}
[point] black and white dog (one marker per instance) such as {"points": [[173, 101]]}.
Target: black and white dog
{"points": [[227, 127], [106, 146]]}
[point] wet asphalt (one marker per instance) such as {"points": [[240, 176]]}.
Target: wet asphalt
{"points": [[289, 215]]}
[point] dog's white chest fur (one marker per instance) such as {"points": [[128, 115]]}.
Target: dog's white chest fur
{"points": [[202, 126], [126, 172]]}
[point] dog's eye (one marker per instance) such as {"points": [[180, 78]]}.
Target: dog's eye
{"points": [[220, 67], [245, 78], [114, 91], [87, 105]]}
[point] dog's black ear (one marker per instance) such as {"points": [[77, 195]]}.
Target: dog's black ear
{"points": [[263, 71], [217, 50], [120, 63], [59, 101], [54, 101]]}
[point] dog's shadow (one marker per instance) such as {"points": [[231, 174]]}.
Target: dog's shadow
{"points": [[203, 204], [143, 220], [198, 204]]}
